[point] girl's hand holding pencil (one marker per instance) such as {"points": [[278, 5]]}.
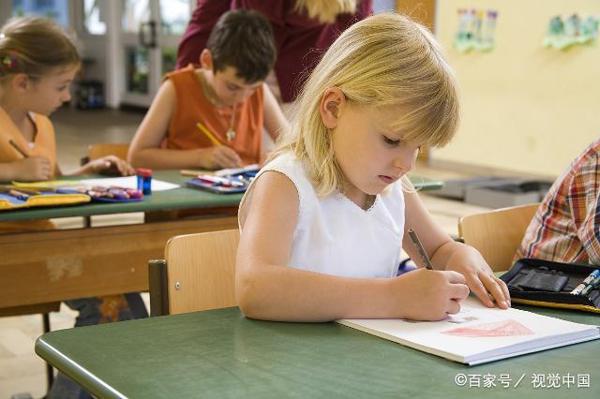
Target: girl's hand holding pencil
{"points": [[433, 294], [30, 168]]}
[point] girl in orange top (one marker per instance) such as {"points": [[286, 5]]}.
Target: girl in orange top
{"points": [[37, 65], [226, 96]]}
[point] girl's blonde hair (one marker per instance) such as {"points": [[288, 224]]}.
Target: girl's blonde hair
{"points": [[325, 11], [33, 46], [387, 61]]}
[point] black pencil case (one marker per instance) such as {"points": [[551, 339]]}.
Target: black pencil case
{"points": [[545, 283]]}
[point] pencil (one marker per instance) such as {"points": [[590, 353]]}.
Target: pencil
{"points": [[16, 147], [18, 195], [195, 172], [208, 133], [415, 239]]}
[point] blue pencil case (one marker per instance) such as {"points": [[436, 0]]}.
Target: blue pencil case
{"points": [[224, 184], [214, 188]]}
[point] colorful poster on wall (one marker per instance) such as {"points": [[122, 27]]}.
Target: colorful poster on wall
{"points": [[571, 31], [476, 30]]}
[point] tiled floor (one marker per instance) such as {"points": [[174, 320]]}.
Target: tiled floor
{"points": [[20, 369]]}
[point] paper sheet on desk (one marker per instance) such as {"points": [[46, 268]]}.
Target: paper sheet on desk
{"points": [[479, 334], [128, 182]]}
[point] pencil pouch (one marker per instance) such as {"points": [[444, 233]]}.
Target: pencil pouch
{"points": [[10, 202], [544, 283], [220, 183], [114, 194], [214, 188]]}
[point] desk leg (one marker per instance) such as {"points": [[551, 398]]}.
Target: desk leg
{"points": [[159, 295], [49, 369]]}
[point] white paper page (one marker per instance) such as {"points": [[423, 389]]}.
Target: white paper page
{"points": [[475, 329], [128, 182], [230, 171]]}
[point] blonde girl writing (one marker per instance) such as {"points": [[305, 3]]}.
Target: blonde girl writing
{"points": [[323, 225]]}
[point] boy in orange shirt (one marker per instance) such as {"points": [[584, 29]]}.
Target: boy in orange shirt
{"points": [[227, 97]]}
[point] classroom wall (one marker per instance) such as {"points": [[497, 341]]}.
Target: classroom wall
{"points": [[422, 11], [525, 108]]}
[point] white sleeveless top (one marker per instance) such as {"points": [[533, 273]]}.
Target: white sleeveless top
{"points": [[334, 235]]}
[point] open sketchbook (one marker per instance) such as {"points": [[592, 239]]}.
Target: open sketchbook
{"points": [[479, 334]]}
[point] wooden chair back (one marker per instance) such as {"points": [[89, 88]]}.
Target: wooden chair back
{"points": [[198, 273], [497, 234], [96, 151]]}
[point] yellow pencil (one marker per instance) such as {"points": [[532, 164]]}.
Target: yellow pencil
{"points": [[195, 172], [208, 133], [18, 149]]}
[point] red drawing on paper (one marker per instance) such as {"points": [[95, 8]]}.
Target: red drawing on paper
{"points": [[505, 328]]}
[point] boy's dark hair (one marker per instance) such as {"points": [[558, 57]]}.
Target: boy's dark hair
{"points": [[243, 39]]}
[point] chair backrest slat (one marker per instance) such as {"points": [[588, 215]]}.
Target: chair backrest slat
{"points": [[201, 271], [96, 151], [497, 234]]}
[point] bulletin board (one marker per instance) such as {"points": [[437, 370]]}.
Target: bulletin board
{"points": [[524, 108]]}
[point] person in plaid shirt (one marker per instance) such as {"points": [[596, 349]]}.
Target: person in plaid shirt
{"points": [[566, 227]]}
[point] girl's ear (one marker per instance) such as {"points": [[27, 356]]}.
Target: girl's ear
{"points": [[20, 82], [331, 106], [206, 61]]}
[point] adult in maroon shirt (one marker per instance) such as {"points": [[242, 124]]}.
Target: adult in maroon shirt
{"points": [[300, 40]]}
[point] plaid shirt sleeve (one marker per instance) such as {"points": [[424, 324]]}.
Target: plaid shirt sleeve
{"points": [[566, 227], [584, 201]]}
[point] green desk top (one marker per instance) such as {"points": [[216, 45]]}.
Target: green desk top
{"points": [[221, 354], [179, 198]]}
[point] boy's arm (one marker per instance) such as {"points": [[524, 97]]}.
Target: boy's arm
{"points": [[267, 288], [145, 151], [446, 254], [275, 122]]}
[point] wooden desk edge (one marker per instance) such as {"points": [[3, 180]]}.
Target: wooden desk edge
{"points": [[41, 276]]}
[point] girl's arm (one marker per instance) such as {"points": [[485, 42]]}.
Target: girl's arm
{"points": [[116, 165], [145, 150], [275, 122], [27, 169], [266, 288], [446, 254]]}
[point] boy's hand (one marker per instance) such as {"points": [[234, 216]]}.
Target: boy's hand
{"points": [[111, 165], [219, 157], [431, 294], [32, 169]]}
